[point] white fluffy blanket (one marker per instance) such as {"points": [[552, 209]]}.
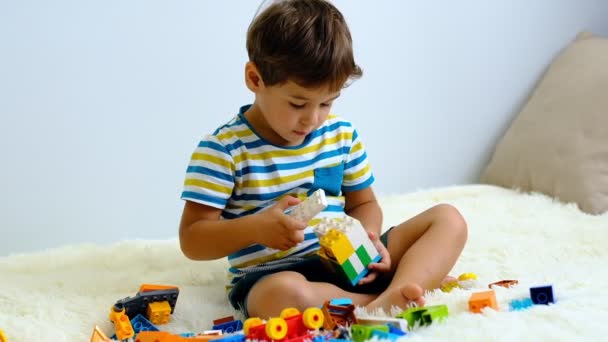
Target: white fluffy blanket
{"points": [[60, 294]]}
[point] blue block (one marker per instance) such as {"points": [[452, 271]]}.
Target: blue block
{"points": [[341, 301], [188, 334], [229, 327], [542, 294], [140, 323], [383, 335], [231, 338], [394, 330], [520, 304]]}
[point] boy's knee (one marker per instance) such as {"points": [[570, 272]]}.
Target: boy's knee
{"points": [[290, 285], [456, 221]]}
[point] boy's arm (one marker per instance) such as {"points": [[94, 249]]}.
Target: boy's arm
{"points": [[363, 206], [203, 235]]}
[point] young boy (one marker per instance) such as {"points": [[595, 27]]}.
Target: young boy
{"points": [[283, 147]]}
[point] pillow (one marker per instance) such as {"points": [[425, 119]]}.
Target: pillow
{"points": [[558, 143]]}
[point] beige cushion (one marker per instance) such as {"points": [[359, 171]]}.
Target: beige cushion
{"points": [[558, 143]]}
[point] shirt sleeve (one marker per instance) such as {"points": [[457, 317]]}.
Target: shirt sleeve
{"points": [[210, 174], [357, 171]]}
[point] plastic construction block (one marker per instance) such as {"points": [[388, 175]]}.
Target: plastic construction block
{"points": [[520, 304], [122, 324], [396, 331], [155, 287], [229, 327], [138, 304], [467, 276], [341, 301], [310, 207], [503, 283], [481, 300], [384, 335], [346, 247], [542, 294], [335, 316], [221, 320], [337, 246], [424, 315], [290, 326], [159, 312], [231, 338], [97, 336], [362, 333], [140, 323], [396, 323]]}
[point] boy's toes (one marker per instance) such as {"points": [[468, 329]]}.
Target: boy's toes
{"points": [[413, 292]]}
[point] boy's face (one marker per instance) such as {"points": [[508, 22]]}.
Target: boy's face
{"points": [[285, 114]]}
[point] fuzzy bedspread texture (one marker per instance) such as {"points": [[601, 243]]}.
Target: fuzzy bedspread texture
{"points": [[61, 294]]}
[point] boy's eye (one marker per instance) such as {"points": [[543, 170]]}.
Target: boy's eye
{"points": [[296, 106], [325, 104]]}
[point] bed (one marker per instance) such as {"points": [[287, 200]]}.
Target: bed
{"points": [[61, 294]]}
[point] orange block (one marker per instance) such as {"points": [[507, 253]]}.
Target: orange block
{"points": [[157, 336], [98, 335], [159, 312], [122, 325], [153, 287], [223, 320], [163, 336], [480, 300], [504, 283]]}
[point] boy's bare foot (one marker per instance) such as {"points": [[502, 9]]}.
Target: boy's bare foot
{"points": [[398, 296]]}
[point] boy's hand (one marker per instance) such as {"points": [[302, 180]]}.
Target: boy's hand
{"points": [[375, 268], [280, 231]]}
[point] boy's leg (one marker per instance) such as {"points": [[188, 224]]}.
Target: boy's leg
{"points": [[423, 250], [287, 289]]}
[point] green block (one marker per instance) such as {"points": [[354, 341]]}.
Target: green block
{"points": [[424, 315], [348, 268], [363, 256], [435, 313], [361, 333], [412, 315]]}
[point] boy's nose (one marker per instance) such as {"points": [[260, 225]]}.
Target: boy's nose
{"points": [[310, 118]]}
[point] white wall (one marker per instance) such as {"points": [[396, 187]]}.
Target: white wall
{"points": [[102, 102]]}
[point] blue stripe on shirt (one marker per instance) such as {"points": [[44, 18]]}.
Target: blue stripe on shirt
{"points": [[214, 146], [356, 161], [291, 166], [210, 172], [266, 196], [190, 195]]}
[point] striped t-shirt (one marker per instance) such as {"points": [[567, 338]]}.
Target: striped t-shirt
{"points": [[238, 171]]}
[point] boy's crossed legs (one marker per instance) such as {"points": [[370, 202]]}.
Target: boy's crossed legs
{"points": [[422, 251]]}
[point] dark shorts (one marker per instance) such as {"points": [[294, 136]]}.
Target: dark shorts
{"points": [[312, 269]]}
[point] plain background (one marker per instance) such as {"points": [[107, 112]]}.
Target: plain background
{"points": [[102, 102]]}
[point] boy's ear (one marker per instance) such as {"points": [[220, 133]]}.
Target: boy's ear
{"points": [[253, 79]]}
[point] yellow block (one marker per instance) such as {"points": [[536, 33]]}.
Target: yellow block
{"points": [[159, 312], [336, 245]]}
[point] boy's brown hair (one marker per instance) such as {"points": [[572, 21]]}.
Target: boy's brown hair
{"points": [[304, 41]]}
